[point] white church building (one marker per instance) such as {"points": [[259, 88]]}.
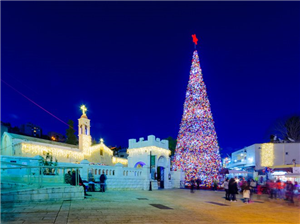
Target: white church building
{"points": [[148, 161]]}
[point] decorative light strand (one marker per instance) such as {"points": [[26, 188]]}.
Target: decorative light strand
{"points": [[35, 149], [154, 149], [267, 154]]}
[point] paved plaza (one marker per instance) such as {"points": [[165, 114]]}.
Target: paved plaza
{"points": [[161, 206]]}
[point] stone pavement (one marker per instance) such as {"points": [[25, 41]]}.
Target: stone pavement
{"points": [[201, 207]]}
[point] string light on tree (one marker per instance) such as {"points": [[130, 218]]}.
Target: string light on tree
{"points": [[197, 150]]}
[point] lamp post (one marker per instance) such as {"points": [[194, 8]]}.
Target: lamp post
{"points": [[150, 186]]}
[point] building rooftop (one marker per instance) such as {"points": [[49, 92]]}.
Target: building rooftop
{"points": [[33, 139], [151, 141]]}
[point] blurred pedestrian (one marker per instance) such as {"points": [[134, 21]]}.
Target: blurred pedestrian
{"points": [[225, 185], [280, 186], [253, 186], [290, 191], [75, 175], [215, 184], [259, 191], [243, 183], [273, 189], [232, 189], [102, 182], [246, 193], [192, 185], [68, 177], [198, 181]]}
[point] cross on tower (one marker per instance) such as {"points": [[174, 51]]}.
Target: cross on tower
{"points": [[83, 108]]}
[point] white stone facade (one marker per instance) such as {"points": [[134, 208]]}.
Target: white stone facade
{"points": [[139, 156], [266, 155]]}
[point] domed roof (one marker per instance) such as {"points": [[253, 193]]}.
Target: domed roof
{"points": [[83, 116]]}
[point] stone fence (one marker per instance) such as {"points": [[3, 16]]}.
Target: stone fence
{"points": [[124, 178], [118, 177]]}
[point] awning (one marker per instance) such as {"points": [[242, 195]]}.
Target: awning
{"points": [[294, 175], [238, 171], [285, 169]]}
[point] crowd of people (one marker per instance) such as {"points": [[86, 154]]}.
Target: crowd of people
{"points": [[70, 178], [276, 189]]}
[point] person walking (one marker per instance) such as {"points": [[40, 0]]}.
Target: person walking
{"points": [[225, 185], [232, 189], [102, 182]]}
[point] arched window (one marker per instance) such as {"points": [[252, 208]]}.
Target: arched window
{"points": [[126, 173], [113, 172], [110, 172], [101, 152], [139, 164], [95, 171], [99, 171], [106, 172]]}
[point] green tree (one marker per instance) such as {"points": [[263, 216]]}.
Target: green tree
{"points": [[94, 142], [71, 137], [172, 144], [48, 161]]}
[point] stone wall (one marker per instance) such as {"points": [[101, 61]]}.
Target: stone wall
{"points": [[43, 194]]}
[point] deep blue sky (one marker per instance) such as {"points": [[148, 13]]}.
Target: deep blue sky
{"points": [[129, 63]]}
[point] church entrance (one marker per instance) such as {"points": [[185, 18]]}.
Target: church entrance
{"points": [[160, 177]]}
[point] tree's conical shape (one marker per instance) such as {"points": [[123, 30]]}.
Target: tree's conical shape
{"points": [[197, 150]]}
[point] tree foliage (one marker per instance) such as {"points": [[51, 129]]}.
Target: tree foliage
{"points": [[71, 137], [172, 144], [94, 142], [287, 129], [48, 160]]}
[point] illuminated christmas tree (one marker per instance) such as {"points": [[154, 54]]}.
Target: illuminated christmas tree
{"points": [[197, 150]]}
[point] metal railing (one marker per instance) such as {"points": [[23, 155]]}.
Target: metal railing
{"points": [[16, 175]]}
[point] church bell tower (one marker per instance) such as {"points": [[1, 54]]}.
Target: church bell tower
{"points": [[84, 136]]}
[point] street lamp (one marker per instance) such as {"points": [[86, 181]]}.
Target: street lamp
{"points": [[150, 186]]}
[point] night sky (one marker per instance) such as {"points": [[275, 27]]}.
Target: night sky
{"points": [[129, 63]]}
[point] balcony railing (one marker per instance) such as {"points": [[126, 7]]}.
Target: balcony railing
{"points": [[36, 176]]}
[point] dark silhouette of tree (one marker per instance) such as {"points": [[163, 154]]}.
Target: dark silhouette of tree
{"points": [[71, 137], [287, 129], [172, 144], [115, 149], [94, 142]]}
